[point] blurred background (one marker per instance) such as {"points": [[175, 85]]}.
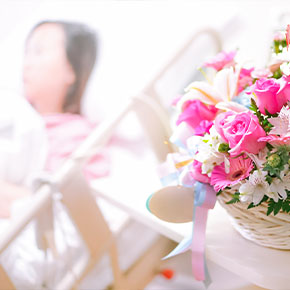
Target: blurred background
{"points": [[138, 37]]}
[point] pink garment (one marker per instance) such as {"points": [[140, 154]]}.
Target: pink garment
{"points": [[65, 133]]}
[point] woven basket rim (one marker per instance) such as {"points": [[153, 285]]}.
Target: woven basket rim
{"points": [[254, 224]]}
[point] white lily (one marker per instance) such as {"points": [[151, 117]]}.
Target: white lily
{"points": [[231, 106], [260, 158], [283, 56], [281, 123], [254, 189], [285, 68], [223, 89], [208, 153], [281, 185], [278, 186]]}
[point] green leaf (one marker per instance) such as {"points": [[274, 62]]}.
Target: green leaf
{"points": [[277, 206], [271, 205], [286, 206], [219, 192], [235, 198], [253, 106], [251, 205]]}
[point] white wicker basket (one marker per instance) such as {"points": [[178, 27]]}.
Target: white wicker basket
{"points": [[253, 224]]}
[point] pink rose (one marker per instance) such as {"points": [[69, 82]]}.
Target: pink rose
{"points": [[220, 121], [221, 60], [241, 131], [203, 128], [194, 111], [245, 79], [196, 174], [271, 94]]}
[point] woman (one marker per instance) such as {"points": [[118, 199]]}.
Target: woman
{"points": [[58, 62]]}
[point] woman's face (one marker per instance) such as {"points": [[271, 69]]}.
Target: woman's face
{"points": [[47, 73]]}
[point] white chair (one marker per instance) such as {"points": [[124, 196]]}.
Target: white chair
{"points": [[79, 198]]}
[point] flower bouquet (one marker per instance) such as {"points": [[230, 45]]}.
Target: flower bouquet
{"points": [[233, 132]]}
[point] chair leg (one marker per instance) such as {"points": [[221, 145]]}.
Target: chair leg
{"points": [[119, 278], [5, 282], [146, 267]]}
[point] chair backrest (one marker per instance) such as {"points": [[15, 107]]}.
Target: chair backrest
{"points": [[156, 97], [183, 66]]}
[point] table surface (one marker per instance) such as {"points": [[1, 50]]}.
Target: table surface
{"points": [[134, 178]]}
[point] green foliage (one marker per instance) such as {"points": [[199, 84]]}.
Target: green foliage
{"points": [[263, 120], [278, 45], [277, 74], [276, 162], [235, 198], [224, 147], [256, 111], [274, 206], [219, 192], [281, 205], [265, 198], [286, 205]]}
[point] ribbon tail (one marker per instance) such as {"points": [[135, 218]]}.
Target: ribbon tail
{"points": [[182, 247], [198, 243], [207, 280]]}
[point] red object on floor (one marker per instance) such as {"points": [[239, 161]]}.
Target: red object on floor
{"points": [[167, 273]]}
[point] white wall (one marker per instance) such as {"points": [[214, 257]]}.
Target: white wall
{"points": [[137, 37]]}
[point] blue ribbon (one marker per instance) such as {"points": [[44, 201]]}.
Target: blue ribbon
{"points": [[169, 178], [184, 245], [178, 143]]}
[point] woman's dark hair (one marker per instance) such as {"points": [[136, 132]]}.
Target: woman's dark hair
{"points": [[81, 52]]}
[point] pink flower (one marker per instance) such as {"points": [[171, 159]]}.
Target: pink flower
{"points": [[241, 131], [288, 35], [203, 128], [275, 140], [221, 60], [240, 169], [220, 121], [194, 111], [245, 79], [271, 94], [259, 73], [279, 36], [176, 100], [196, 174]]}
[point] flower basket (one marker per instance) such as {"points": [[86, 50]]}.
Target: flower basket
{"points": [[253, 224], [233, 134]]}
